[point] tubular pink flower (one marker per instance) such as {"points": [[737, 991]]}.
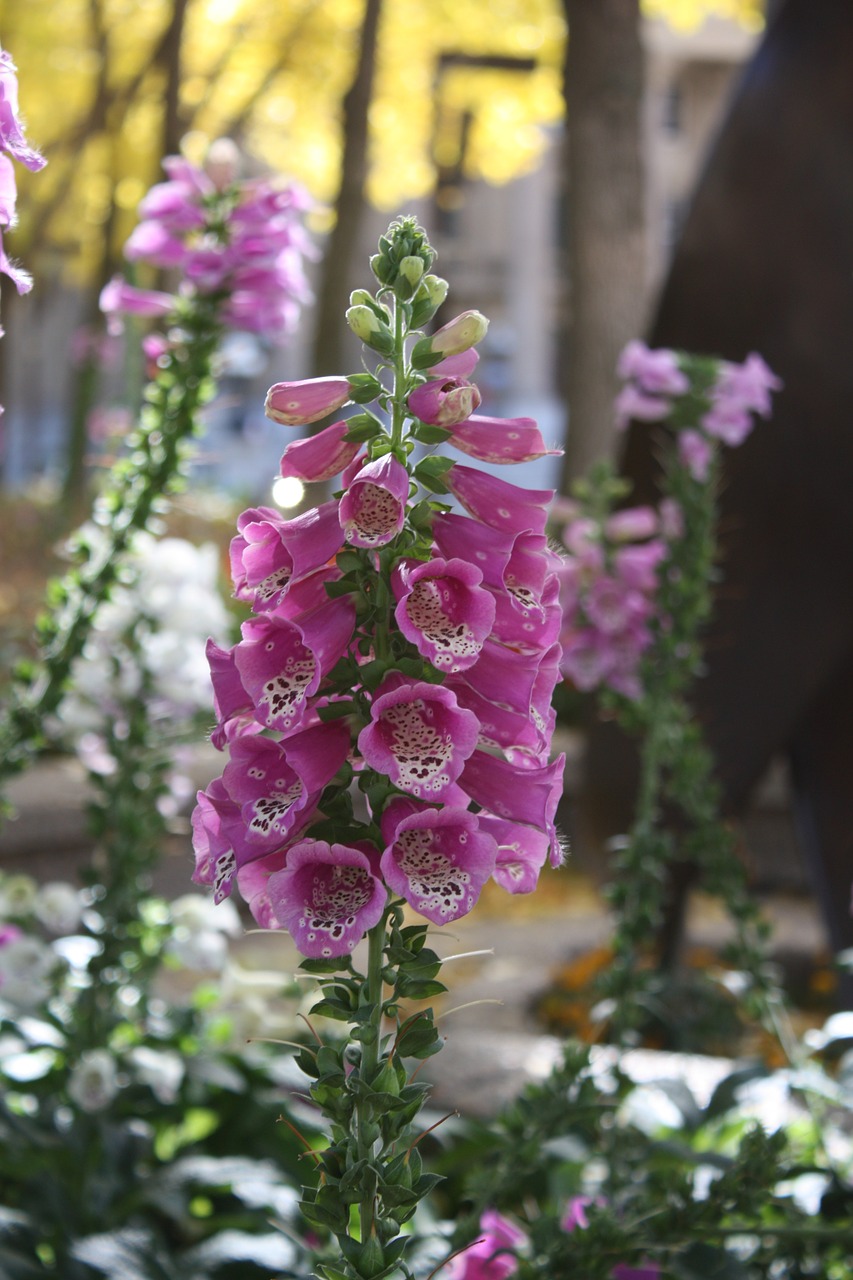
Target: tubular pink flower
{"points": [[522, 852], [695, 451], [296, 404], [444, 402], [727, 420], [274, 783], [587, 657], [637, 566], [749, 383], [500, 440], [505, 678], [152, 242], [521, 565], [498, 503], [500, 726], [373, 509], [321, 456], [493, 1255], [327, 896], [444, 611], [419, 738], [439, 860], [282, 662], [216, 824], [12, 137], [175, 204], [632, 403], [8, 192], [231, 703], [458, 366], [270, 553], [253, 883], [530, 630], [631, 525], [120, 296], [526, 796], [656, 372]]}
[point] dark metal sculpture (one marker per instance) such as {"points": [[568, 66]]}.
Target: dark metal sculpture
{"points": [[765, 263]]}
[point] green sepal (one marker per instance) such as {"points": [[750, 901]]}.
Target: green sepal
{"points": [[361, 427], [414, 989], [430, 473], [336, 711], [349, 561], [426, 433]]}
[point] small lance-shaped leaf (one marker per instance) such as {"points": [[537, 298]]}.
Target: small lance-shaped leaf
{"points": [[363, 426]]}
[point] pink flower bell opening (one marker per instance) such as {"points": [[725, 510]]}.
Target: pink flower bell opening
{"points": [[439, 860], [445, 612], [419, 737], [373, 509], [327, 896]]}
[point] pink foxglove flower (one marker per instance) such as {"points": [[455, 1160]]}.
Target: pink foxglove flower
{"points": [[444, 611], [246, 249], [498, 503], [321, 456], [216, 823], [327, 896], [373, 509], [444, 402], [695, 451], [296, 404], [281, 662], [522, 853], [438, 860], [12, 137], [500, 440], [522, 795], [276, 782], [575, 1218], [419, 737], [491, 1257], [270, 553], [452, 339], [655, 372]]}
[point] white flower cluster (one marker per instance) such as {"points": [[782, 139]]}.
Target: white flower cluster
{"points": [[153, 632]]}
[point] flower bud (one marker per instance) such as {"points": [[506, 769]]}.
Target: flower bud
{"points": [[382, 267], [367, 326], [444, 402], [461, 333], [295, 404], [429, 297], [409, 275]]}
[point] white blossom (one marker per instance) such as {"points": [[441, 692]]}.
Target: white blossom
{"points": [[94, 1080], [58, 907]]}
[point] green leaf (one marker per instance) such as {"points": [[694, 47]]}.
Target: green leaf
{"points": [[415, 990], [342, 587], [337, 965]]}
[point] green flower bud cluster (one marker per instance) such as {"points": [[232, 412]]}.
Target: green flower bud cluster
{"points": [[404, 257]]}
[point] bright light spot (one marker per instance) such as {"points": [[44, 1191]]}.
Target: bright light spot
{"points": [[288, 492]]}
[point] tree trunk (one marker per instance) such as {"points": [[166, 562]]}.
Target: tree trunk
{"points": [[605, 216], [334, 289]]}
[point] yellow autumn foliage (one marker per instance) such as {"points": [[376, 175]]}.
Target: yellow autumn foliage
{"points": [[272, 73]]}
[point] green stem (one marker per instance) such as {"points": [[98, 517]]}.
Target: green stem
{"points": [[398, 400], [370, 1053], [138, 483]]}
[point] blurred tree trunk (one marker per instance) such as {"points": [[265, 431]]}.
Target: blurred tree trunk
{"points": [[334, 288], [170, 60], [604, 77]]}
